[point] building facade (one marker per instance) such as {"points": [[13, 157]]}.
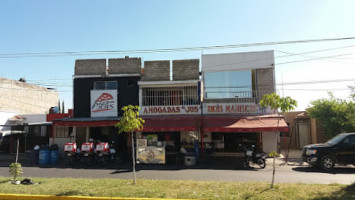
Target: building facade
{"points": [[23, 98], [23, 109], [206, 112], [101, 88]]}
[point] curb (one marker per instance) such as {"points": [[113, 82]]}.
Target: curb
{"points": [[53, 197]]}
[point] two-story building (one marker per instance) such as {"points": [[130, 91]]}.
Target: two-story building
{"points": [[100, 91], [233, 85], [171, 107], [210, 111]]}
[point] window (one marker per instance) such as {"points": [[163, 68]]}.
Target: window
{"points": [[229, 84], [61, 132], [105, 85], [169, 96]]}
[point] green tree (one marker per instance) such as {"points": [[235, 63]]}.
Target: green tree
{"points": [[335, 115], [352, 92], [129, 123], [276, 102]]}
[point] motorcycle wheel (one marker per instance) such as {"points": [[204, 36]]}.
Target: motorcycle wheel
{"points": [[247, 162], [70, 161], [261, 163]]}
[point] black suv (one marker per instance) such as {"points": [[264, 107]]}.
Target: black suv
{"points": [[340, 149]]}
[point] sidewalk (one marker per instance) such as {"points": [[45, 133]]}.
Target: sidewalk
{"points": [[294, 158]]}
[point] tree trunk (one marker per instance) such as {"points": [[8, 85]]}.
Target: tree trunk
{"points": [[273, 162], [133, 160], [17, 149]]}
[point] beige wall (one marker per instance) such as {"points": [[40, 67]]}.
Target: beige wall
{"points": [[23, 98], [156, 71], [268, 140], [186, 70]]}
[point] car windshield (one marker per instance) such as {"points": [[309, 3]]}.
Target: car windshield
{"points": [[336, 139]]}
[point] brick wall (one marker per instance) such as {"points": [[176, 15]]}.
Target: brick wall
{"points": [[186, 69], [124, 65], [90, 67], [156, 71], [22, 98], [265, 82]]}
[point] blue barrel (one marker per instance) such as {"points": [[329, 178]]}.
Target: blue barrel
{"points": [[34, 156], [54, 157], [44, 156]]}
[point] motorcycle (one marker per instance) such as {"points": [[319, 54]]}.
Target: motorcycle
{"points": [[252, 158], [71, 153], [102, 152], [87, 153], [113, 154]]}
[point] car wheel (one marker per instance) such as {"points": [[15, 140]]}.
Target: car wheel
{"points": [[327, 163]]}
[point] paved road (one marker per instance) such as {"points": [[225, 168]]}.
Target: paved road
{"points": [[293, 172]]}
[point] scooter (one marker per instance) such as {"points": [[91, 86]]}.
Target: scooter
{"points": [[113, 154], [87, 153], [102, 152], [71, 153], [252, 158]]}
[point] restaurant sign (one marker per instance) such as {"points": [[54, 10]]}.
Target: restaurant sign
{"points": [[170, 110], [103, 103], [232, 108]]}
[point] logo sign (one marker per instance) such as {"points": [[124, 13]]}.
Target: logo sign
{"points": [[170, 110], [103, 103]]}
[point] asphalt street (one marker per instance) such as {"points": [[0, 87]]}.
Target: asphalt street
{"points": [[291, 172]]}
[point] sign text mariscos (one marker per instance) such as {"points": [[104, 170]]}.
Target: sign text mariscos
{"points": [[230, 108]]}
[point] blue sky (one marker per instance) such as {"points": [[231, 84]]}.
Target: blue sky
{"points": [[63, 26]]}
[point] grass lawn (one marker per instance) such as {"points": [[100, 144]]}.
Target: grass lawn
{"points": [[178, 189]]}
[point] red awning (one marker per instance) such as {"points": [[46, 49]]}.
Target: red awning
{"points": [[247, 124], [86, 122], [160, 124]]}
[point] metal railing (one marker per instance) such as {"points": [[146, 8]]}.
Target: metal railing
{"points": [[169, 96], [235, 96]]}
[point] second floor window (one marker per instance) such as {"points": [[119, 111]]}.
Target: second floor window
{"points": [[105, 85], [229, 84], [169, 96]]}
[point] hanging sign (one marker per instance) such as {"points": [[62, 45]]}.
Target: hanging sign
{"points": [[103, 103]]}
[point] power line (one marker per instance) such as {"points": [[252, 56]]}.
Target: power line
{"points": [[75, 53]]}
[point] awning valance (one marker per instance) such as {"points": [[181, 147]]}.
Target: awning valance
{"points": [[86, 122], [247, 124], [161, 124]]}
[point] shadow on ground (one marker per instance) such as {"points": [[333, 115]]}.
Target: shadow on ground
{"points": [[224, 163], [347, 193], [336, 170]]}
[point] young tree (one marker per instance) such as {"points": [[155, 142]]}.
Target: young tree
{"points": [[276, 102], [335, 115], [15, 168], [63, 109], [129, 123], [59, 106]]}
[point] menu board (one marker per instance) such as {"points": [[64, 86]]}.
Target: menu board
{"points": [[150, 155]]}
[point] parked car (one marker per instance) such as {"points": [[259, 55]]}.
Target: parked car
{"points": [[338, 150]]}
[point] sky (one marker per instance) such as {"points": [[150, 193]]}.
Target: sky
{"points": [[31, 31]]}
